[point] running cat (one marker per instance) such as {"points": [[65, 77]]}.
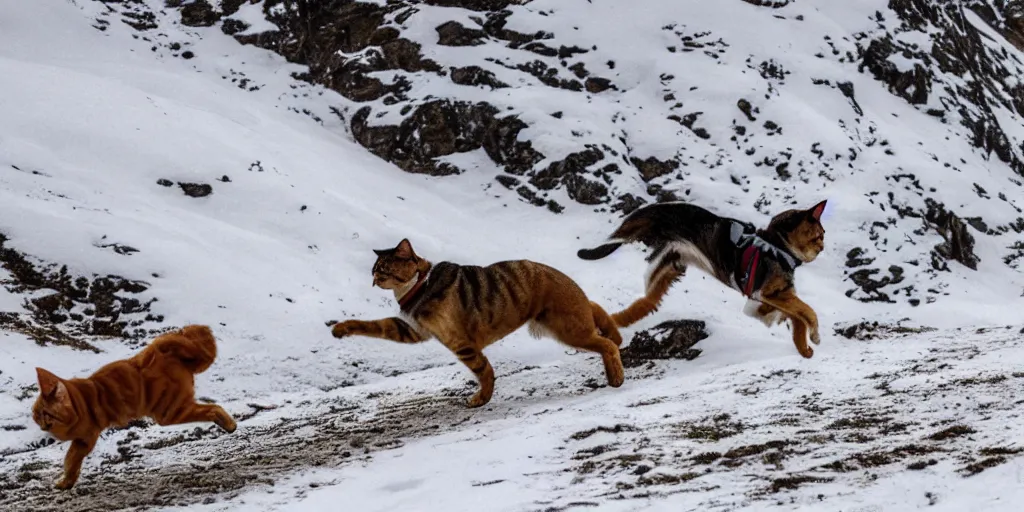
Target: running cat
{"points": [[157, 382], [468, 308], [759, 263]]}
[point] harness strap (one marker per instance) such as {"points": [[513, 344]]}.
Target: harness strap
{"points": [[745, 237], [750, 263]]}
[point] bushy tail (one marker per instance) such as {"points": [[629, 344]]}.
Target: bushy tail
{"points": [[193, 345], [663, 276], [605, 324], [632, 229]]}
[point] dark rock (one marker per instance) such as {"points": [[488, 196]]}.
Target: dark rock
{"points": [[546, 74], [855, 258], [508, 182], [773, 4], [196, 189], [494, 26], [979, 72], [474, 5], [229, 7], [232, 27], [597, 84], [653, 168], [199, 13], [745, 107], [440, 128], [669, 340], [453, 33], [125, 250], [847, 89], [959, 243], [871, 286], [164, 182], [628, 203], [579, 70], [141, 21], [873, 330], [913, 85], [77, 305], [187, 54], [475, 75], [565, 52], [571, 173], [540, 49]]}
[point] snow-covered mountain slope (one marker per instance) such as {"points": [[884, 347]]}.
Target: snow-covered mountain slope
{"points": [[154, 174]]}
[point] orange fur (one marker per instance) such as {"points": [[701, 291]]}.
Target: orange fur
{"points": [[779, 294], [660, 283], [157, 382], [468, 308]]}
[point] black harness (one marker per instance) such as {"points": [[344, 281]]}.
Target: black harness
{"points": [[750, 272]]}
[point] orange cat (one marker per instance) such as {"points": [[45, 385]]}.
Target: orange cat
{"points": [[157, 382]]}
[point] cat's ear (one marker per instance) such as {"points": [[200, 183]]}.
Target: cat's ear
{"points": [[381, 252], [49, 384], [404, 250], [817, 210]]}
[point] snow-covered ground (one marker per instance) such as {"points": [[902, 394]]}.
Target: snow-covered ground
{"points": [[91, 120]]}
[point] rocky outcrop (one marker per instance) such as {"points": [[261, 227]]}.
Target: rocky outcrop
{"points": [[199, 13], [73, 307], [961, 76], [946, 59], [668, 340]]}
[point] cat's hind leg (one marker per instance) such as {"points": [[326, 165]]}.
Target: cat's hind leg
{"points": [[477, 363], [193, 412]]}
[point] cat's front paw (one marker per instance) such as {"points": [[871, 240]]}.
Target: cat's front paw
{"points": [[342, 329], [65, 483], [815, 337]]}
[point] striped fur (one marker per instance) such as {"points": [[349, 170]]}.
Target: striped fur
{"points": [[468, 308], [157, 382], [681, 235]]}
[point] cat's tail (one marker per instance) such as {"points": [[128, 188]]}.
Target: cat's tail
{"points": [[633, 229], [605, 324], [193, 345], [663, 274]]}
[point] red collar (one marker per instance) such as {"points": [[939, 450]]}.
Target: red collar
{"points": [[415, 289]]}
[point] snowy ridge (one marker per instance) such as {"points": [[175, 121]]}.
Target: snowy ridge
{"points": [[113, 133]]}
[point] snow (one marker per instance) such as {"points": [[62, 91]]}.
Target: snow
{"points": [[903, 64], [252, 15], [274, 254]]}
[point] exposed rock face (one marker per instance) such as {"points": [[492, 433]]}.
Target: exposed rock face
{"points": [[199, 14], [959, 50], [76, 307], [196, 189], [668, 340], [345, 43], [416, 98], [440, 128]]}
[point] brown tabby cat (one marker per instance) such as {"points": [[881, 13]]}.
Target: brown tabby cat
{"points": [[156, 382], [468, 308], [759, 263]]}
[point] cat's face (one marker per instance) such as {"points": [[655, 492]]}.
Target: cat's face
{"points": [[396, 267], [803, 231], [53, 411]]}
